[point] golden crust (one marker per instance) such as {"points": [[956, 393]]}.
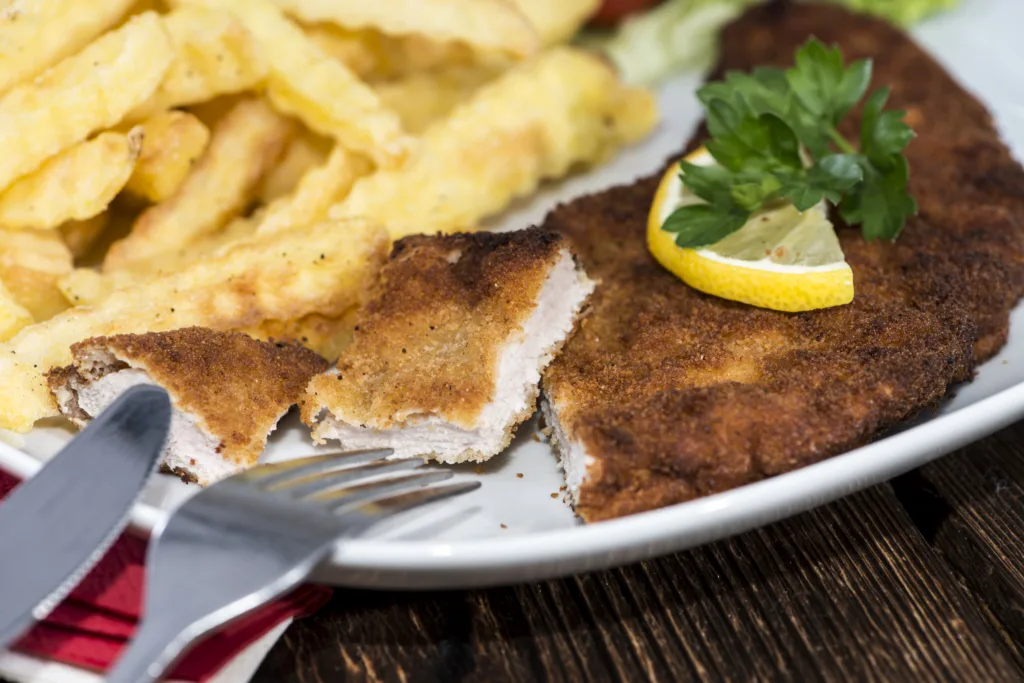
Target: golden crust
{"points": [[678, 394], [428, 340], [238, 387]]}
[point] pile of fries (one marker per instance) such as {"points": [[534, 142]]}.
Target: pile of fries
{"points": [[245, 164]]}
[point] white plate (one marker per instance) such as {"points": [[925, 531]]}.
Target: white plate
{"points": [[518, 528]]}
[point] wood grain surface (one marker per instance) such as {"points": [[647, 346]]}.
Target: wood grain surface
{"points": [[921, 579]]}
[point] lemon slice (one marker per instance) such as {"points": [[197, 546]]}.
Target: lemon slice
{"points": [[780, 259]]}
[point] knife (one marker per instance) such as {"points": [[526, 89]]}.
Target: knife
{"points": [[55, 526]]}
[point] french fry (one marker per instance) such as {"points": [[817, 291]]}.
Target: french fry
{"points": [[140, 6], [31, 263], [320, 91], [309, 203], [316, 192], [74, 185], [88, 287], [362, 52], [557, 22], [537, 121], [305, 151], [328, 336], [214, 55], [86, 92], [212, 111], [371, 55], [284, 276], [36, 35], [489, 25], [422, 99], [81, 236], [174, 141], [244, 144], [13, 316]]}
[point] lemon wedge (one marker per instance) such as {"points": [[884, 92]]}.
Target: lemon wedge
{"points": [[780, 259]]}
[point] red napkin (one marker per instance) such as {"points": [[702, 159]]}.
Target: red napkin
{"points": [[93, 624]]}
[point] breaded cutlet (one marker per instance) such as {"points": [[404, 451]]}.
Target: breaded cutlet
{"points": [[667, 394], [447, 355], [227, 390]]}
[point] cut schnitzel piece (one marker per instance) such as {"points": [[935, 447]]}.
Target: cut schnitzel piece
{"points": [[227, 389], [447, 355], [666, 394]]}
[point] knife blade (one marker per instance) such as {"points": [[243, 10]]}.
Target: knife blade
{"points": [[55, 526]]}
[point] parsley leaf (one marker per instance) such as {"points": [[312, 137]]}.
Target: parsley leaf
{"points": [[882, 133], [698, 225], [774, 135], [883, 204]]}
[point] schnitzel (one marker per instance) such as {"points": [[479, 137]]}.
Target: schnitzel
{"points": [[228, 391], [447, 354], [666, 394]]}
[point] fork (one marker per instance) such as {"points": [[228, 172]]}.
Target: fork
{"points": [[250, 538]]}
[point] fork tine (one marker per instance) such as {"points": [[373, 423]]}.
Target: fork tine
{"points": [[301, 487], [335, 499], [273, 473], [386, 507]]}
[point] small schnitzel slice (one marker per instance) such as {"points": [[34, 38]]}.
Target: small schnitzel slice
{"points": [[667, 394], [447, 355], [227, 389]]}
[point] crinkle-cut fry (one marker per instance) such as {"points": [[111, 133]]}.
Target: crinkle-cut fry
{"points": [[304, 152], [363, 52], [320, 91], [174, 141], [88, 287], [488, 25], [74, 185], [285, 276], [316, 192], [537, 121], [212, 111], [87, 92], [81, 236], [244, 144], [31, 262], [370, 54], [36, 35], [214, 55], [140, 6], [328, 336], [13, 316], [557, 21], [422, 99]]}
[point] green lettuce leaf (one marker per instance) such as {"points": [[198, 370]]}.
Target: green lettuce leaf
{"points": [[681, 35]]}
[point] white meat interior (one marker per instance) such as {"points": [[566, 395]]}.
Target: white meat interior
{"points": [[572, 455], [188, 446], [521, 362]]}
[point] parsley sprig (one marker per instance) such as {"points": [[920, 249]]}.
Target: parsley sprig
{"points": [[774, 134]]}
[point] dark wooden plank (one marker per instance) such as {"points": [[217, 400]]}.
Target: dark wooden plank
{"points": [[970, 506], [848, 592]]}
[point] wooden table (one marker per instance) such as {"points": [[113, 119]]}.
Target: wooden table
{"points": [[921, 578]]}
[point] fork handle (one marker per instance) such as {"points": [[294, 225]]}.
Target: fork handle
{"points": [[162, 638], [155, 647]]}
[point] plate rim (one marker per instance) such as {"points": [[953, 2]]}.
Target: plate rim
{"points": [[585, 547]]}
